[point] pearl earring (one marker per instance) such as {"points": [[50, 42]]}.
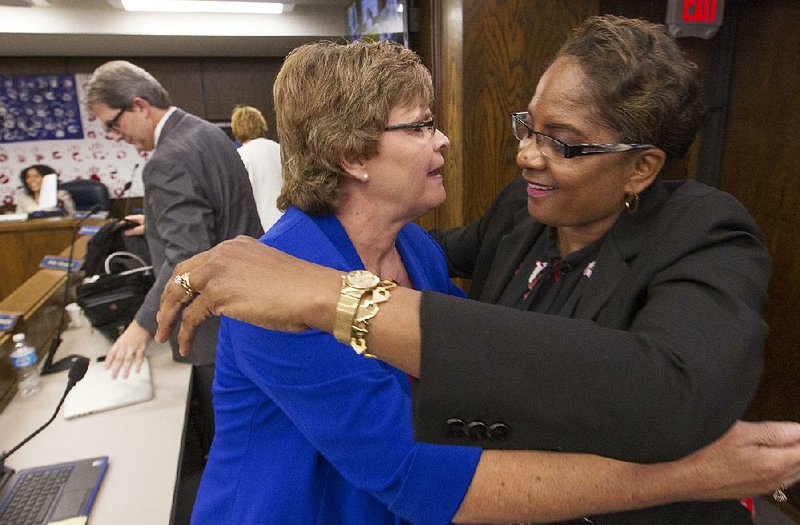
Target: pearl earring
{"points": [[365, 177]]}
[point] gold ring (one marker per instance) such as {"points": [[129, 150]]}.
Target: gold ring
{"points": [[779, 495], [183, 281]]}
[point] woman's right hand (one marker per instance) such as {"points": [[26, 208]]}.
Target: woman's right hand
{"points": [[246, 280], [750, 459]]}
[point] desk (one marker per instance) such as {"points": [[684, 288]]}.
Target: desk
{"points": [[143, 441], [38, 301], [23, 244]]}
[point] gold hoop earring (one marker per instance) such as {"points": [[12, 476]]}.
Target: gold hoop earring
{"points": [[632, 203]]}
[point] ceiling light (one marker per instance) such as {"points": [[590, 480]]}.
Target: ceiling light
{"points": [[204, 6]]}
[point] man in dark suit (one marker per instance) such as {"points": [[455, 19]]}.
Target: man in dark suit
{"points": [[196, 194]]}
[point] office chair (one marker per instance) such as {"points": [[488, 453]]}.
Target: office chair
{"points": [[86, 193]]}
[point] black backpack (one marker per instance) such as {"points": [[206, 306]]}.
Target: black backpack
{"points": [[110, 239], [118, 277]]}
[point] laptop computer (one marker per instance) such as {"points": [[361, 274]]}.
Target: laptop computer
{"points": [[58, 493], [98, 391]]}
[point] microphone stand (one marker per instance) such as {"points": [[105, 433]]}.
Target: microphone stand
{"points": [[77, 370], [49, 367]]}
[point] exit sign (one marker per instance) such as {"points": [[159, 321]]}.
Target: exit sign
{"points": [[699, 11], [698, 18]]}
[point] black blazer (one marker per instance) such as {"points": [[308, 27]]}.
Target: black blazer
{"points": [[663, 355]]}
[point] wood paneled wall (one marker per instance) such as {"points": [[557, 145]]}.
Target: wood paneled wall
{"points": [[762, 168]]}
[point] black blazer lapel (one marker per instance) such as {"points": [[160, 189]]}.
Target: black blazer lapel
{"points": [[622, 246], [510, 251], [610, 269]]}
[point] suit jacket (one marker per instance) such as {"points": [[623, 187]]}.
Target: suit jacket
{"points": [[196, 195], [663, 355]]}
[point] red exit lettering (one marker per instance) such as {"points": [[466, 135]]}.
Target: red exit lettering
{"points": [[699, 10]]}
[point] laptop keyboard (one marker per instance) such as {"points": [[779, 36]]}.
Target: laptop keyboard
{"points": [[32, 497]]}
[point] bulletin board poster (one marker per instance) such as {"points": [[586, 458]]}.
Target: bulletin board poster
{"points": [[44, 122]]}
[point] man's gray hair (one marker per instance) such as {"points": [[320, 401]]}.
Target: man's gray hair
{"points": [[116, 83]]}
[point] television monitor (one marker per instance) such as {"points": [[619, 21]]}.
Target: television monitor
{"points": [[378, 20]]}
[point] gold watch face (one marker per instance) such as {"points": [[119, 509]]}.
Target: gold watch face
{"points": [[362, 279]]}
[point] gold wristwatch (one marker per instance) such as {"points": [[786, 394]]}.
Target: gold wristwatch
{"points": [[354, 285], [347, 328]]}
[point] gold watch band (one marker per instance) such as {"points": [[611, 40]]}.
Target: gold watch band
{"points": [[359, 297], [345, 312]]}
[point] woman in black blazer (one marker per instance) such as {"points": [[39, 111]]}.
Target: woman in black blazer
{"points": [[627, 311]]}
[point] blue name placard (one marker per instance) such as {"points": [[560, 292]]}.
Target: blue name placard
{"points": [[88, 229], [59, 263], [7, 322]]}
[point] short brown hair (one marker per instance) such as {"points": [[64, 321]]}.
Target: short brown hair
{"points": [[643, 87], [247, 123], [332, 102]]}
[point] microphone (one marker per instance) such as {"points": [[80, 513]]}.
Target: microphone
{"points": [[49, 367], [77, 370]]}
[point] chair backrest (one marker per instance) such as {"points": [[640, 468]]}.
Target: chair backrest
{"points": [[86, 193]]}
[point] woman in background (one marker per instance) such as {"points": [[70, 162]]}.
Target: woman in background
{"points": [[262, 158], [31, 178]]}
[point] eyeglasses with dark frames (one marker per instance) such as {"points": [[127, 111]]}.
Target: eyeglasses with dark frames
{"points": [[111, 125], [551, 147], [419, 126]]}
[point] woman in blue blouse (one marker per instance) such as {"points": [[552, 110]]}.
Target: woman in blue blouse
{"points": [[307, 431]]}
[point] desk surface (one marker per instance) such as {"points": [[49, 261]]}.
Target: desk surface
{"points": [[143, 441]]}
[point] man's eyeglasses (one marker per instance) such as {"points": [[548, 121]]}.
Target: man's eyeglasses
{"points": [[111, 125], [553, 148], [422, 126]]}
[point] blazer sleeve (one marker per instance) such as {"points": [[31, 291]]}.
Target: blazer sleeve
{"points": [[669, 363], [185, 223]]}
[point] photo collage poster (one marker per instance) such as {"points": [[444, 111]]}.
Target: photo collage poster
{"points": [[43, 121]]}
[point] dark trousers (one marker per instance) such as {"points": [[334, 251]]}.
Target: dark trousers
{"points": [[199, 433], [201, 411]]}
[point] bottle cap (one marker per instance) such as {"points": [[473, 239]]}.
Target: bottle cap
{"points": [[18, 337]]}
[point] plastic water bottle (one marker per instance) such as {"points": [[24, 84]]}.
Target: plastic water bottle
{"points": [[23, 359]]}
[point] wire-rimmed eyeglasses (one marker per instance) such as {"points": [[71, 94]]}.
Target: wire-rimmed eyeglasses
{"points": [[420, 126], [553, 148]]}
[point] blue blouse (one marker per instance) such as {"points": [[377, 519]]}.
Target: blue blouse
{"points": [[309, 432]]}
